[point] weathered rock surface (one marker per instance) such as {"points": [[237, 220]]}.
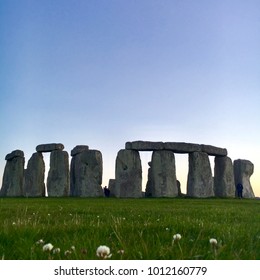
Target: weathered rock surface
{"points": [[243, 169], [13, 154], [149, 185], [200, 181], [86, 174], [213, 151], [12, 185], [34, 176], [144, 146], [112, 187], [58, 176], [79, 149], [176, 147], [163, 175], [182, 147], [224, 183], [129, 173], [45, 148]]}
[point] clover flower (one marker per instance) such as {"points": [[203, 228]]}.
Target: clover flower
{"points": [[103, 252], [56, 251], [47, 247], [176, 237], [213, 241], [39, 242]]}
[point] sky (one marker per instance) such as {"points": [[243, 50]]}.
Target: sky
{"points": [[104, 72]]}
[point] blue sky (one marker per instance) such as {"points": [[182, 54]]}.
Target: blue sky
{"points": [[104, 72]]}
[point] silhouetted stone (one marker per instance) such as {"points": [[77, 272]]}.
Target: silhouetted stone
{"points": [[79, 149], [163, 174], [112, 187], [45, 148], [200, 182], [86, 174], [181, 147], [213, 151], [34, 176], [243, 169], [176, 147], [144, 146], [129, 173], [13, 176], [224, 183], [58, 176], [13, 154]]}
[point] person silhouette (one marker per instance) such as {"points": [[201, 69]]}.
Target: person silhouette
{"points": [[106, 191], [239, 190]]}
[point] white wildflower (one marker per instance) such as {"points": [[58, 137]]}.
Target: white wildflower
{"points": [[73, 248], [176, 237], [213, 241], [40, 242], [47, 247], [103, 252], [56, 251]]}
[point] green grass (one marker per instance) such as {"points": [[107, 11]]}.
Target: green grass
{"points": [[142, 228]]}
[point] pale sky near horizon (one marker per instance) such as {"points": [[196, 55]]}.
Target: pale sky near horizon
{"points": [[104, 72]]}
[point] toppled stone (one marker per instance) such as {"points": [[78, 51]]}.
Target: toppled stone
{"points": [[78, 149], [163, 175], [129, 173], [45, 148], [213, 151], [224, 183], [243, 169], [182, 147], [144, 146], [12, 185], [34, 176], [58, 176], [200, 181], [86, 174], [13, 154]]}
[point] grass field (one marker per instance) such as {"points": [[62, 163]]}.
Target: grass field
{"points": [[131, 228]]}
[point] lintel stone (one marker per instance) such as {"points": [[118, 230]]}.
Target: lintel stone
{"points": [[13, 154], [45, 148], [182, 147], [213, 151], [78, 149], [144, 146]]}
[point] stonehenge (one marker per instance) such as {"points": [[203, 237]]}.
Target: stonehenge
{"points": [[82, 176]]}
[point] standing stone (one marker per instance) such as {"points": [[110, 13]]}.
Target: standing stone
{"points": [[112, 187], [224, 183], [163, 174], [34, 176], [179, 188], [13, 175], [149, 185], [129, 173], [243, 169], [58, 176], [200, 181], [86, 174]]}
